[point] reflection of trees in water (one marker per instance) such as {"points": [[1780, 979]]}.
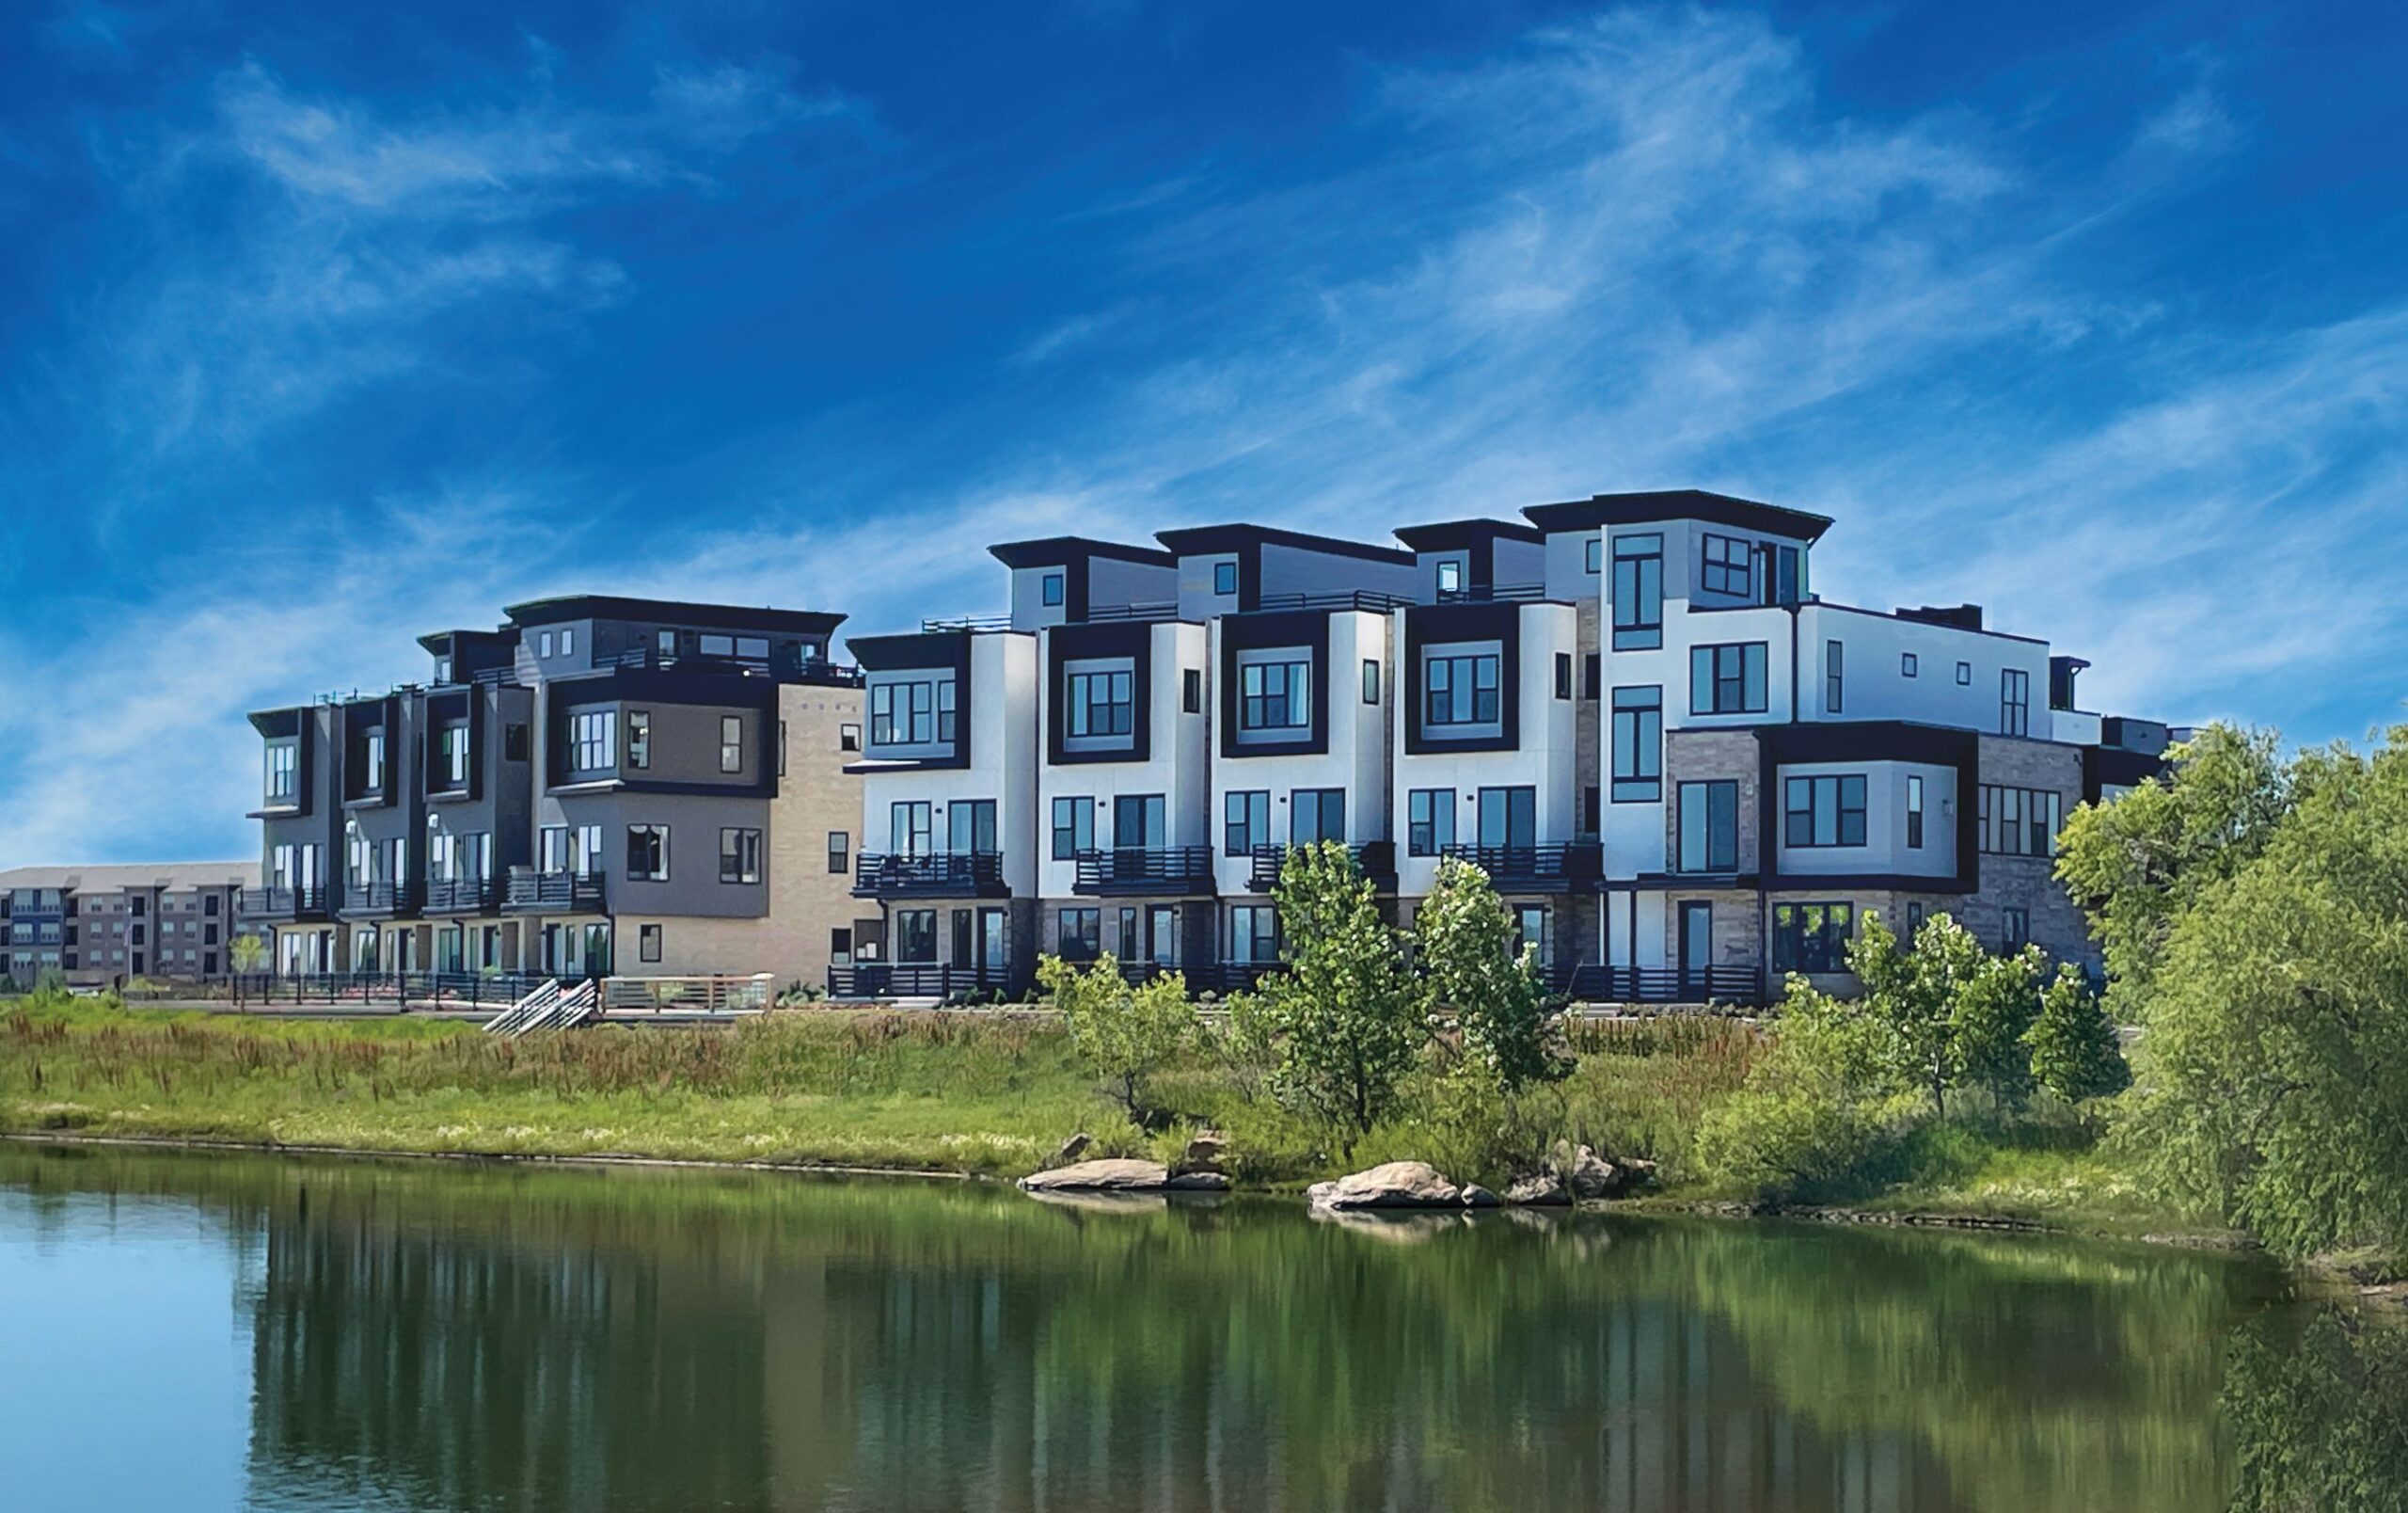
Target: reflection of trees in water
{"points": [[2319, 1411], [474, 1336]]}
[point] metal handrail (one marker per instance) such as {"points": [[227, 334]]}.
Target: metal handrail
{"points": [[877, 874], [528, 888], [965, 622], [1352, 599], [1376, 858], [1156, 869], [1563, 862], [1599, 983], [1494, 593], [1161, 610]]}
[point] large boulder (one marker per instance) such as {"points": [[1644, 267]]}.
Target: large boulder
{"points": [[1122, 1175], [1537, 1190], [1204, 1152], [1586, 1175], [1396, 1184], [1072, 1149]]}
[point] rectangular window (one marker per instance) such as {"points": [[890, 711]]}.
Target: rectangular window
{"points": [[1459, 689], [1100, 704], [638, 740], [848, 738], [2014, 702], [1225, 578], [1727, 680], [781, 748], [1964, 675], [1833, 666], [1450, 576], [912, 827], [1594, 556], [840, 944], [514, 743], [970, 827], [2015, 929], [1730, 563], [1908, 664], [1254, 933], [731, 743], [915, 937], [375, 766], [544, 643], [667, 641], [1812, 937], [1191, 691], [592, 734], [1139, 822], [1245, 823], [739, 855], [1592, 814], [1592, 675], [1509, 816], [1079, 934], [1915, 813], [553, 848], [839, 852], [914, 713], [649, 943], [1914, 922], [1429, 822], [568, 642], [1639, 592], [1050, 590], [1709, 820], [1370, 680], [1639, 746], [284, 768], [711, 645], [1822, 811], [2017, 822], [1316, 814], [452, 753], [1073, 828], [1274, 695], [648, 853], [585, 859]]}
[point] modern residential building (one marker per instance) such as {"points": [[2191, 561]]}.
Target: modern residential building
{"points": [[1687, 772], [108, 924], [602, 784]]}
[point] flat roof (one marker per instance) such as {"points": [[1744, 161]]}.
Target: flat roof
{"points": [[1055, 551], [437, 641], [675, 611], [109, 877], [1197, 539], [1649, 505], [1447, 535]]}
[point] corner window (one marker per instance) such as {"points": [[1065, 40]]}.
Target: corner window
{"points": [[1639, 746], [1639, 592], [1429, 822], [731, 743], [1225, 578], [1824, 811], [1050, 590], [648, 853], [1727, 680]]}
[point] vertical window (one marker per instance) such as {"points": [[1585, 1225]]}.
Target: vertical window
{"points": [[1563, 674], [912, 827], [1709, 827], [1225, 578], [1833, 666], [1370, 680], [1964, 675], [2015, 929], [2014, 702], [649, 943], [1051, 590], [453, 748], [1254, 933], [1592, 814], [374, 774], [840, 944], [1139, 822], [848, 738], [1191, 691], [781, 748], [1316, 814], [1824, 811], [1245, 823], [731, 743], [1079, 934], [1915, 813], [1592, 675], [915, 936], [1509, 816], [1914, 924], [283, 765], [1730, 564], [1450, 576], [667, 642], [544, 645], [1639, 745], [839, 852], [739, 855], [648, 853], [1274, 695], [638, 740], [1906, 664], [1727, 680], [1594, 555], [1074, 827], [591, 735], [552, 848], [1639, 592], [514, 743], [1429, 822], [970, 827], [586, 860]]}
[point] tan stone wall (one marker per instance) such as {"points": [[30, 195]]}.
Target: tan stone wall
{"points": [[1712, 755], [815, 797], [2029, 882], [1589, 738]]}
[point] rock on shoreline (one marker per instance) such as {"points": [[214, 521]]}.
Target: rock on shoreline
{"points": [[1122, 1175]]}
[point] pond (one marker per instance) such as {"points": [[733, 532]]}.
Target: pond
{"points": [[201, 1332]]}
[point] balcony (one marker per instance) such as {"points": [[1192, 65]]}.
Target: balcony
{"points": [[785, 669], [465, 895], [1569, 867], [1377, 858], [1229, 976], [381, 897], [1337, 598], [904, 979], [1593, 983], [1160, 871], [929, 875], [305, 902], [535, 892]]}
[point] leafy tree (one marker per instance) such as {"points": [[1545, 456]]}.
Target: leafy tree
{"points": [[1819, 1106], [1954, 1015], [1125, 1035], [1349, 1017], [249, 954], [2075, 1053], [1464, 944], [2137, 864]]}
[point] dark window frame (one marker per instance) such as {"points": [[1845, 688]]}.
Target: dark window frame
{"points": [[1243, 837], [1741, 665], [1838, 789], [1427, 812], [1078, 833], [1823, 950], [1719, 557], [1715, 801], [1637, 763]]}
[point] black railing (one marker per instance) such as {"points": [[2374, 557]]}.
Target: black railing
{"points": [[1229, 976], [907, 980], [479, 990], [1554, 868], [552, 892], [462, 895], [792, 669], [1163, 869], [1494, 593], [1595, 983], [930, 874], [1163, 610], [1344, 598], [379, 898], [307, 902], [966, 622], [1377, 859]]}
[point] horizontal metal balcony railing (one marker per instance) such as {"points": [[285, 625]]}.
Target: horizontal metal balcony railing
{"points": [[1558, 868], [380, 898], [462, 895], [966, 622], [1597, 984], [1162, 870], [929, 874], [1494, 594], [305, 902], [1377, 858], [1229, 976], [1343, 599], [1163, 610], [552, 892], [910, 979], [802, 669]]}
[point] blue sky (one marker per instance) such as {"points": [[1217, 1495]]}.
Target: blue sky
{"points": [[317, 333]]}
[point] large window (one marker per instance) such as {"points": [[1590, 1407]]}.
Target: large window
{"points": [[2017, 822], [915, 937], [1639, 592], [1316, 814], [1100, 704], [1834, 665], [970, 827], [284, 770], [1509, 816], [1073, 828], [1080, 934], [1709, 818], [1254, 933], [1639, 745], [912, 827], [1727, 680], [1274, 695], [1812, 937], [638, 740], [915, 713], [1429, 822], [648, 853], [1729, 567], [2014, 702], [592, 736], [739, 856], [1245, 823], [1459, 689], [1824, 811], [1139, 822]]}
